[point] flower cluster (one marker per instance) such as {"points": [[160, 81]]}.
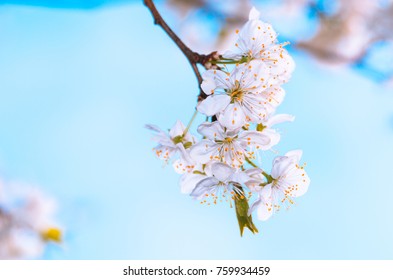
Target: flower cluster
{"points": [[26, 222], [243, 88]]}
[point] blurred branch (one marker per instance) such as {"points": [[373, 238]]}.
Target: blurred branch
{"points": [[355, 27], [346, 34]]}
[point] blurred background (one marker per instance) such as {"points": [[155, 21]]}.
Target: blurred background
{"points": [[80, 79]]}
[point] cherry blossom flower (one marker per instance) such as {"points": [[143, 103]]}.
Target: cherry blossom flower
{"points": [[235, 93], [230, 146], [258, 41], [266, 125], [185, 164], [169, 144], [219, 181], [26, 222], [287, 180], [241, 96]]}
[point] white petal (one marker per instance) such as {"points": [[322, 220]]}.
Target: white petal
{"points": [[189, 181], [252, 76], [222, 171], [266, 192], [281, 165], [240, 72], [233, 117], [274, 97], [254, 185], [153, 128], [189, 138], [255, 107], [295, 154], [254, 14], [185, 163], [232, 54], [184, 153], [254, 206], [208, 168], [302, 186], [203, 187], [280, 62], [163, 139], [233, 154], [240, 177], [212, 130], [165, 152], [259, 140], [177, 129], [221, 78], [179, 166], [279, 118], [214, 104], [204, 151], [253, 171], [274, 138], [284, 67], [264, 212], [255, 38], [208, 86]]}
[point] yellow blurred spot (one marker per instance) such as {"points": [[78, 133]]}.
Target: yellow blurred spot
{"points": [[52, 234]]}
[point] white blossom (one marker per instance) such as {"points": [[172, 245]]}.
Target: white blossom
{"points": [[26, 222], [219, 181], [288, 180], [273, 120], [241, 96], [186, 163], [230, 146], [172, 143], [257, 40]]}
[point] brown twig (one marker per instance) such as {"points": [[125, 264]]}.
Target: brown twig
{"points": [[193, 58]]}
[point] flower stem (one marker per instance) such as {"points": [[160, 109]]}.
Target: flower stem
{"points": [[268, 177], [190, 123], [224, 62], [230, 61], [251, 163]]}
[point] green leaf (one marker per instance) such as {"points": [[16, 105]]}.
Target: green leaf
{"points": [[245, 221]]}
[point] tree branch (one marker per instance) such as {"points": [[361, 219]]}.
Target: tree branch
{"points": [[193, 58]]}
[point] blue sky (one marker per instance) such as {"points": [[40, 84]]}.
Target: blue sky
{"points": [[77, 88], [66, 4]]}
